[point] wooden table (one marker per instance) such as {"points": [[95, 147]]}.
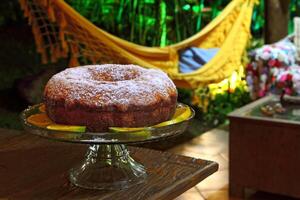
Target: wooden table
{"points": [[264, 152], [35, 168]]}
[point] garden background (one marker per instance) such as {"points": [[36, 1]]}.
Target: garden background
{"points": [[146, 22]]}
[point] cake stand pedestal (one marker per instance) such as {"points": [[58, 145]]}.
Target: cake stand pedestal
{"points": [[107, 164], [107, 167]]}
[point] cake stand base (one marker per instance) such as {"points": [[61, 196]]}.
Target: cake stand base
{"points": [[107, 167]]}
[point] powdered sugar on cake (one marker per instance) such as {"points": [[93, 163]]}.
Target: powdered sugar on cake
{"points": [[111, 86]]}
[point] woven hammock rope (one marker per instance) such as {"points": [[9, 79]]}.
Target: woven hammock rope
{"points": [[60, 31]]}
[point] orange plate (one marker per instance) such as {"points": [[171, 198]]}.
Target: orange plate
{"points": [[40, 119], [42, 108]]}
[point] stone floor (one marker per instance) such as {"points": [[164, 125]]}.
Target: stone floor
{"points": [[213, 145]]}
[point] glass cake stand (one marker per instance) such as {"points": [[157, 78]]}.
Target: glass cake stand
{"points": [[107, 163]]}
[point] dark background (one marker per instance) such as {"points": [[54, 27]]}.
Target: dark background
{"points": [[21, 72]]}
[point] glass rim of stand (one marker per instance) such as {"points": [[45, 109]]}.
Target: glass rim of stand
{"points": [[107, 152], [129, 137]]}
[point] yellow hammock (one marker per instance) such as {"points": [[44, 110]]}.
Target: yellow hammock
{"points": [[60, 30]]}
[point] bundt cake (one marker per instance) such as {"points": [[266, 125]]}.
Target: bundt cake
{"points": [[111, 95]]}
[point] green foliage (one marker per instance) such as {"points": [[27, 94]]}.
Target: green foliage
{"points": [[255, 43], [18, 60], [258, 19], [224, 103], [10, 119], [18, 56], [150, 22], [218, 106], [10, 13], [294, 11], [185, 95]]}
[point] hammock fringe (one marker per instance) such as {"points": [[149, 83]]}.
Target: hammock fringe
{"points": [[70, 33]]}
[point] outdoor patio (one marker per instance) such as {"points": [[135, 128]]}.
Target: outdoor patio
{"points": [[213, 145], [228, 83]]}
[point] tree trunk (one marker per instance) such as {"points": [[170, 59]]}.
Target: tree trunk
{"points": [[277, 18]]}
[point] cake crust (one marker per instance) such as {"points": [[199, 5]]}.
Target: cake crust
{"points": [[101, 96]]}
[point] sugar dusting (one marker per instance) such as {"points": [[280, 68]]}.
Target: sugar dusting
{"points": [[110, 86]]}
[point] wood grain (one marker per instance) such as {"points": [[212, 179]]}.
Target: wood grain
{"points": [[264, 153], [35, 168]]}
